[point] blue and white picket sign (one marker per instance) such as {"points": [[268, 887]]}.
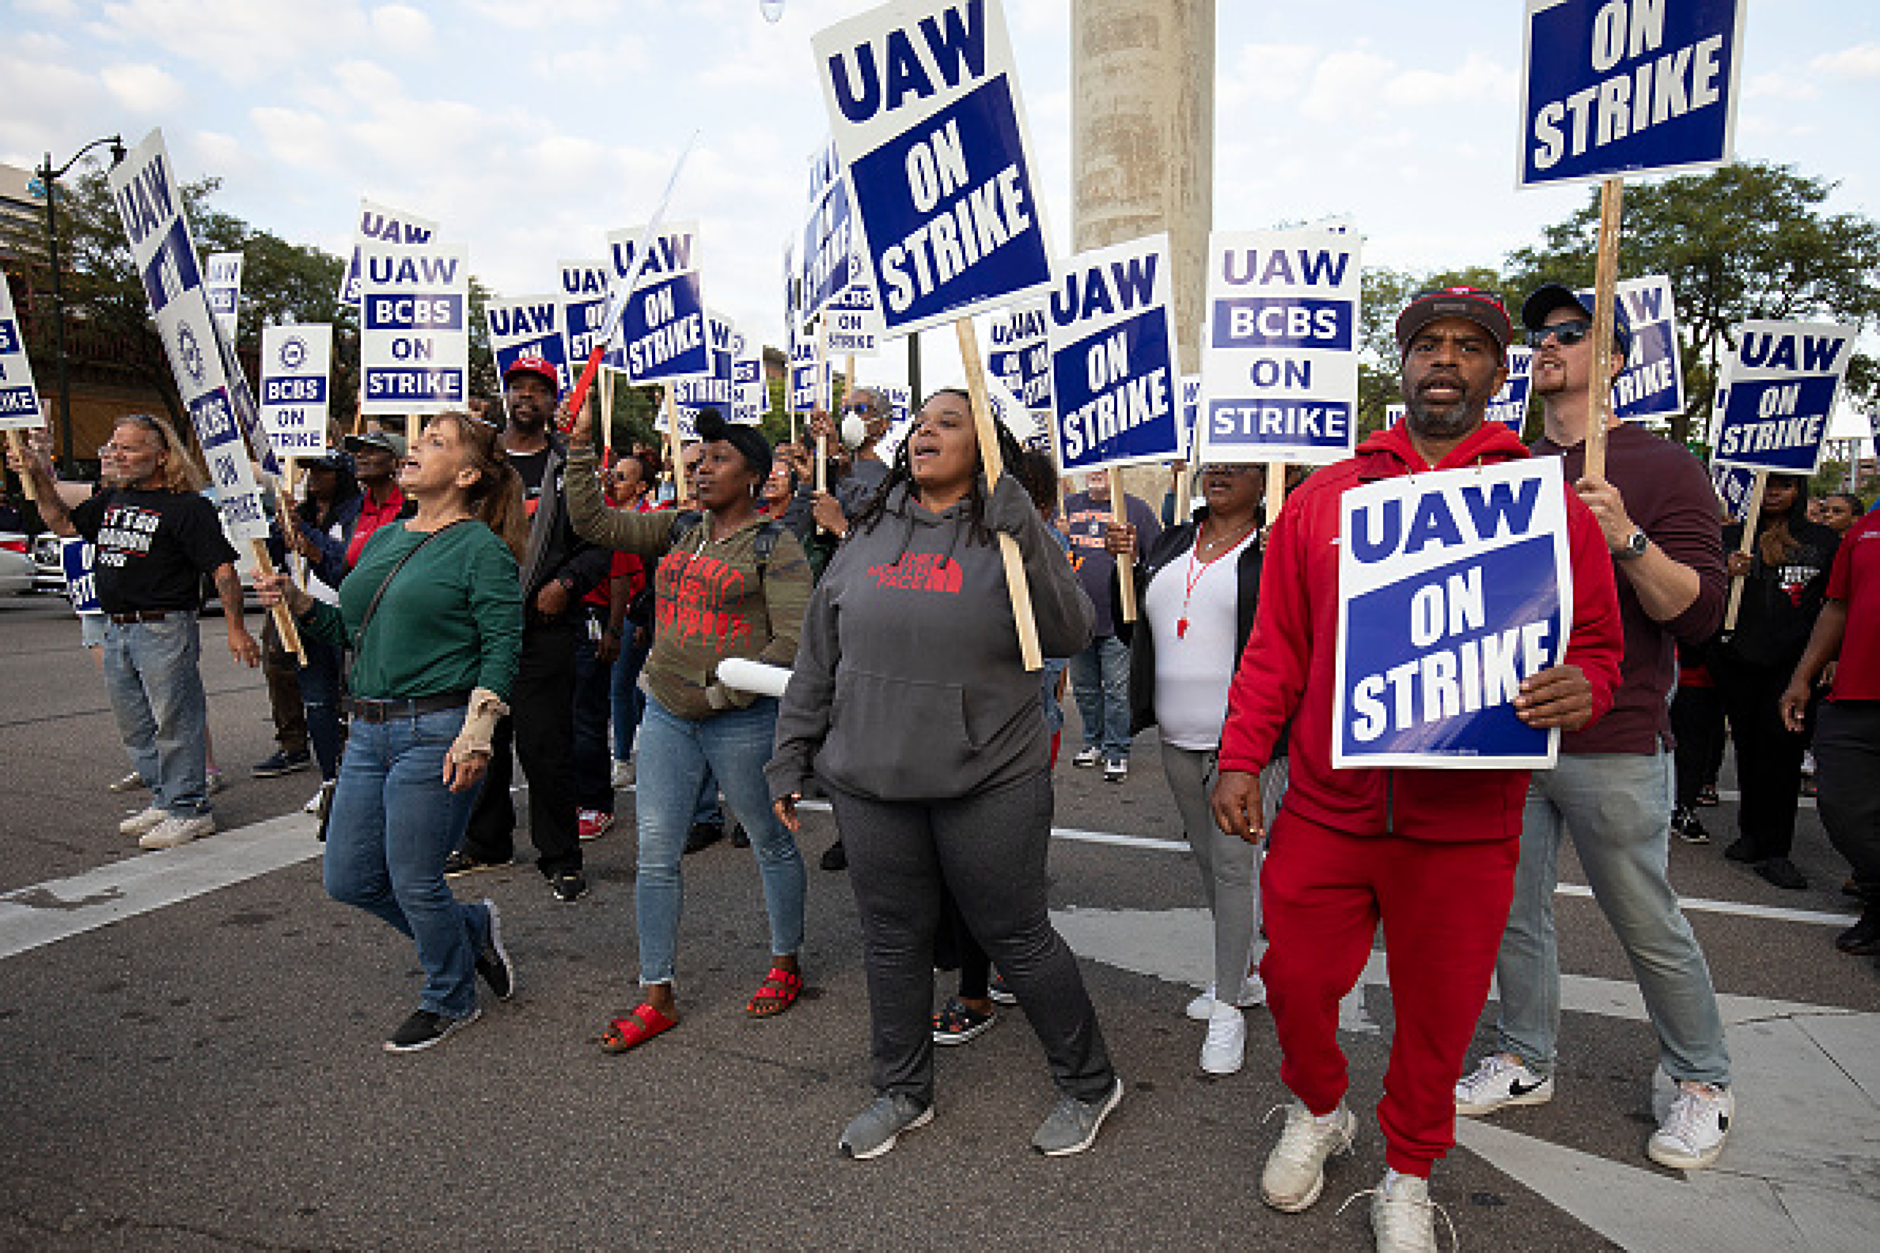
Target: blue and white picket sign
{"points": [[750, 398], [1652, 383], [1509, 405], [1453, 587], [1617, 86], [149, 200], [222, 280], [19, 399], [81, 584], [529, 326], [414, 329], [854, 324], [1734, 487], [584, 308], [380, 224], [1115, 380], [663, 332], [805, 385], [1191, 410], [1279, 350], [1020, 355], [296, 365], [718, 389], [1782, 381], [827, 250], [925, 114]]}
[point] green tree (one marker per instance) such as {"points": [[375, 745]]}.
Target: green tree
{"points": [[1742, 242]]}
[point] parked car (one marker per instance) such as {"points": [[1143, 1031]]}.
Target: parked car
{"points": [[16, 565]]}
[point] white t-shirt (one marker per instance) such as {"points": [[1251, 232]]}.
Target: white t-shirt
{"points": [[1193, 668]]}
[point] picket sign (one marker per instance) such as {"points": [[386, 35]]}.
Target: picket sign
{"points": [[145, 190], [1617, 86], [618, 293], [19, 398], [1029, 649]]}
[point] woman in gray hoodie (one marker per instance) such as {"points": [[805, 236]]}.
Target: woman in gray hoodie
{"points": [[911, 705]]}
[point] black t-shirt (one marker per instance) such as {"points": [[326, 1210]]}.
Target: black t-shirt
{"points": [[531, 466], [153, 547]]}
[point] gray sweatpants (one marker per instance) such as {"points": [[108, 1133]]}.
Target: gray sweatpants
{"points": [[1229, 865], [989, 850]]}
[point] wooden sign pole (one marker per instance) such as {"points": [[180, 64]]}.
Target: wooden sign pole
{"points": [[1015, 584], [1750, 517], [823, 389], [1184, 504], [1605, 280], [1275, 491], [1125, 570], [674, 448]]}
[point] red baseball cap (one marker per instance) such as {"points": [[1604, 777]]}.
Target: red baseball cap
{"points": [[532, 364], [1480, 307]]}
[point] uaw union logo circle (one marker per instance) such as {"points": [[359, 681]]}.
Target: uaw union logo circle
{"points": [[293, 352], [191, 352]]}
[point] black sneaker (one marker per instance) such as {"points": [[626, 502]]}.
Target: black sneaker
{"points": [[568, 885], [462, 863], [423, 1029], [1740, 849], [835, 857], [703, 835], [1687, 827], [739, 837], [282, 762], [493, 961], [1782, 872]]}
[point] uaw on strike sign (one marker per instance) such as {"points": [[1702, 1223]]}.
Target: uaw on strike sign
{"points": [[1774, 410], [924, 112], [1452, 587], [414, 340]]}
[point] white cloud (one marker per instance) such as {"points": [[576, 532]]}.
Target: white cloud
{"points": [[401, 28], [1859, 61], [1346, 84], [143, 88], [1477, 81], [1780, 86]]}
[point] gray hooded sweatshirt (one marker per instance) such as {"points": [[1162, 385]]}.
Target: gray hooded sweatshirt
{"points": [[908, 683]]}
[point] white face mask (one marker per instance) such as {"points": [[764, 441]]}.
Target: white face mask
{"points": [[854, 430]]}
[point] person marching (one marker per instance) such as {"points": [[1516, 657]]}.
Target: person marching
{"points": [[1197, 588], [935, 759], [728, 583], [1428, 853], [433, 614]]}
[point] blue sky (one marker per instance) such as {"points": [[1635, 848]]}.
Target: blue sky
{"points": [[530, 130]]}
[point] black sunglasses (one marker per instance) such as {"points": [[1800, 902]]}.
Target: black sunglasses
{"points": [[1568, 333]]}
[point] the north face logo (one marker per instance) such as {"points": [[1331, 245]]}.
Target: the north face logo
{"points": [[920, 572]]}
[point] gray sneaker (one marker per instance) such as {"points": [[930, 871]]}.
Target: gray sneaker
{"points": [[1073, 1124], [873, 1131]]}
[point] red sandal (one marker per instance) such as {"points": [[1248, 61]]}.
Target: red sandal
{"points": [[775, 994], [641, 1024]]}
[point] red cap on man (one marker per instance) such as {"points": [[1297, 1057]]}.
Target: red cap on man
{"points": [[529, 363]]}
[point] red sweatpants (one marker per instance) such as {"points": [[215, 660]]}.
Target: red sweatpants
{"points": [[1443, 907]]}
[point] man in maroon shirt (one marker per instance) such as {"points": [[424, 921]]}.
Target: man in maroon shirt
{"points": [[1847, 733], [1611, 786]]}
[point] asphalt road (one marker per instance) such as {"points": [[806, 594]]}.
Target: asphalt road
{"points": [[207, 1074]]}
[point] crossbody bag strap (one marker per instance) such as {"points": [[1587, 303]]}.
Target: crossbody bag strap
{"points": [[372, 606]]}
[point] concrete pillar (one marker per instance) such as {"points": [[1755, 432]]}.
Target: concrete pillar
{"points": [[1142, 137]]}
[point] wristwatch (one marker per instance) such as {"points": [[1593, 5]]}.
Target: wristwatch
{"points": [[1634, 547]]}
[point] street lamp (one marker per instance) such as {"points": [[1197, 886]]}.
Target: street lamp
{"points": [[48, 178]]}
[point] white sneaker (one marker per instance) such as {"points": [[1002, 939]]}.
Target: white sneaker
{"points": [[1692, 1135], [313, 805], [1088, 758], [623, 774], [132, 782], [1403, 1218], [174, 831], [1252, 992], [1500, 1080], [1225, 1049], [1115, 769], [1295, 1169], [142, 821]]}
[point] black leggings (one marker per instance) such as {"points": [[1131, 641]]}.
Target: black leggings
{"points": [[989, 850]]}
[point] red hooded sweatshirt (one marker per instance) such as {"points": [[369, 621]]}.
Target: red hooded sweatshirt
{"points": [[1287, 670]]}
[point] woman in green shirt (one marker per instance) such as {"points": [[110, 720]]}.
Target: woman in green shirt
{"points": [[433, 614]]}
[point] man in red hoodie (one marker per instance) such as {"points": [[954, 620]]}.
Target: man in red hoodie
{"points": [[1429, 853]]}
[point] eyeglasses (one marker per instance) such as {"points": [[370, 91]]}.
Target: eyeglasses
{"points": [[858, 407], [1567, 333]]}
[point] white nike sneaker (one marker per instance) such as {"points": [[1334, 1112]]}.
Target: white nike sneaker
{"points": [[1295, 1170], [1499, 1081], [1694, 1132]]}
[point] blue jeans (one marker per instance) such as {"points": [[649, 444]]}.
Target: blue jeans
{"points": [[392, 824], [319, 694], [1618, 808], [151, 670], [675, 753], [628, 702], [1100, 678]]}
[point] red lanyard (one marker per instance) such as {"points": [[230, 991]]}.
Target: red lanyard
{"points": [[1193, 577]]}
